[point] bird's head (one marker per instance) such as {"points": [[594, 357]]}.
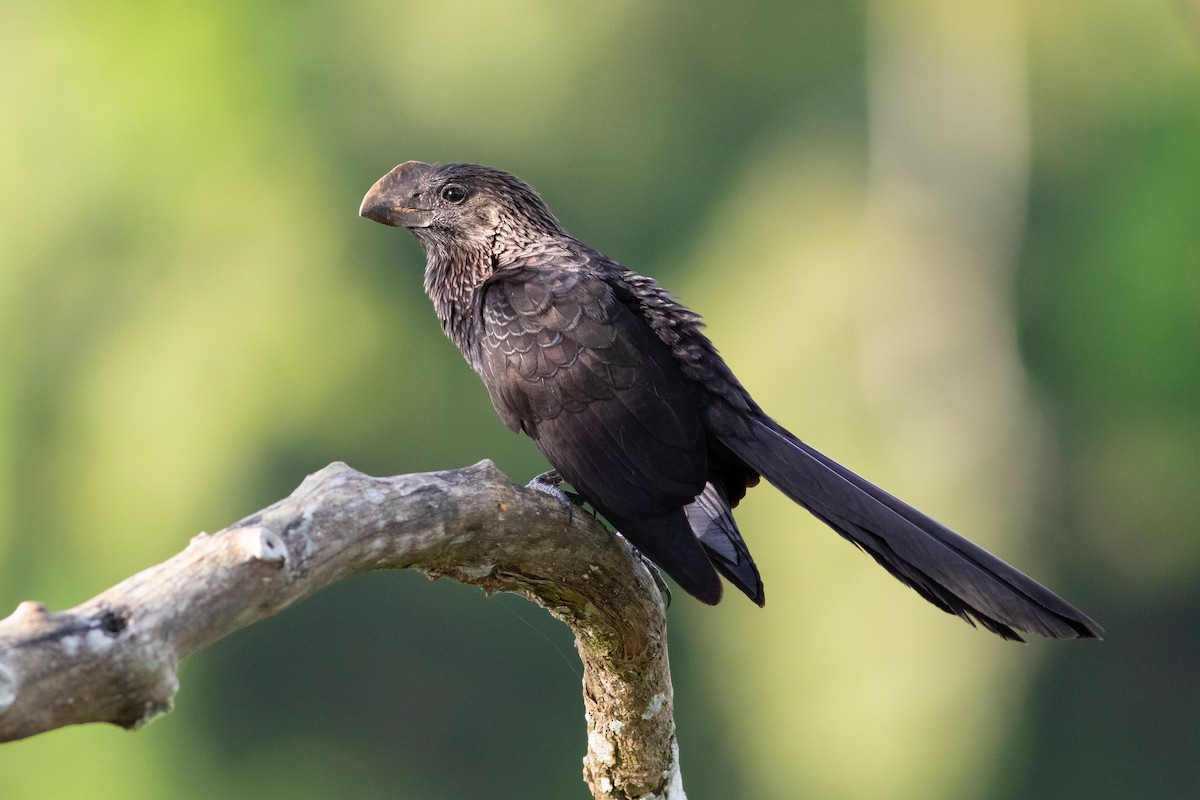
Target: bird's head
{"points": [[459, 206]]}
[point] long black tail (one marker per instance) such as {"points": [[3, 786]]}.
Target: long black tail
{"points": [[943, 567]]}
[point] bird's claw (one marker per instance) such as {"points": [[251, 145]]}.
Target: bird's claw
{"points": [[659, 581]]}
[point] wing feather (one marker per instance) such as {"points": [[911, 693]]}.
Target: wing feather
{"points": [[591, 383]]}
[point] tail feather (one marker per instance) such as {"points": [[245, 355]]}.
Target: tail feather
{"points": [[712, 522], [947, 570]]}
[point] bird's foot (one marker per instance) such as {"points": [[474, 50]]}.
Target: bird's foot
{"points": [[552, 478], [550, 483]]}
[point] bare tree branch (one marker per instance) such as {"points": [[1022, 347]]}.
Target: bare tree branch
{"points": [[113, 658]]}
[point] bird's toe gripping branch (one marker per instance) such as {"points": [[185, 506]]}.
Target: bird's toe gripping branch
{"points": [[551, 483]]}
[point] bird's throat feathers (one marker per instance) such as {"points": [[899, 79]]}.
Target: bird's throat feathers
{"points": [[453, 281], [459, 263]]}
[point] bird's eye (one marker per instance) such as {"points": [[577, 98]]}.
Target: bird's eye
{"points": [[454, 193]]}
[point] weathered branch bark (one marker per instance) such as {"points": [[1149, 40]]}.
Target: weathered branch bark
{"points": [[113, 658]]}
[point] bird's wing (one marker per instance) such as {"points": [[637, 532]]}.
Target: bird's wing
{"points": [[584, 375], [589, 381]]}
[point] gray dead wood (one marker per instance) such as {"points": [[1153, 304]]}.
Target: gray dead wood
{"points": [[114, 657]]}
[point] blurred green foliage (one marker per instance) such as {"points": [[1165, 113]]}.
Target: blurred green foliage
{"points": [[957, 247]]}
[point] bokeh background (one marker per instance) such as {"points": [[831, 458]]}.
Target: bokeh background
{"points": [[955, 245]]}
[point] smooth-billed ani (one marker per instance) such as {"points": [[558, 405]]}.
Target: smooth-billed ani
{"points": [[624, 395]]}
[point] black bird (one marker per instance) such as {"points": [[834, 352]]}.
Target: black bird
{"points": [[624, 395]]}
